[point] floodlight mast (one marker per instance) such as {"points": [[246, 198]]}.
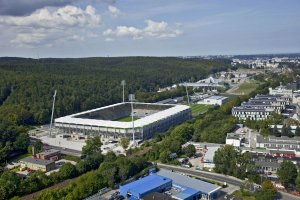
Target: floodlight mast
{"points": [[52, 113], [187, 94], [123, 83], [131, 98]]}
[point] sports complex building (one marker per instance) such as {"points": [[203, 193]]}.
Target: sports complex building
{"points": [[115, 121]]}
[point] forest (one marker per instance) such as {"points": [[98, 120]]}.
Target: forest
{"points": [[27, 87]]}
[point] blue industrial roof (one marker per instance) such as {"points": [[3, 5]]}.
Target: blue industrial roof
{"points": [[147, 183], [185, 192]]}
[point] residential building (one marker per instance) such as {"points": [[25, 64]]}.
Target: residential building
{"points": [[261, 107], [281, 90], [280, 143], [37, 164], [269, 163]]}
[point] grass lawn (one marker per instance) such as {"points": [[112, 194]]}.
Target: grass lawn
{"points": [[247, 87], [239, 194], [69, 157], [19, 157], [199, 108], [128, 119]]}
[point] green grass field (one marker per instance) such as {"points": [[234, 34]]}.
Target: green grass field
{"points": [[199, 108], [246, 87], [128, 119], [19, 157]]}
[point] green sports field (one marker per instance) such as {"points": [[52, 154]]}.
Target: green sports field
{"points": [[127, 119], [199, 108]]}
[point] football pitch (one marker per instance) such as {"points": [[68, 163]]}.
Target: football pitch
{"points": [[199, 108], [127, 119]]}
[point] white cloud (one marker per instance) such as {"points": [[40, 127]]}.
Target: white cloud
{"points": [[114, 11], [152, 30], [44, 25], [62, 17]]}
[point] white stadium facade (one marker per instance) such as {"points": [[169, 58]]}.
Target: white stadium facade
{"points": [[114, 121]]}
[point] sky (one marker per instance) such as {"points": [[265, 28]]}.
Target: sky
{"points": [[92, 28]]}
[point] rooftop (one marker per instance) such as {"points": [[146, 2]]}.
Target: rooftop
{"points": [[234, 136], [209, 155], [145, 184], [187, 181], [49, 152], [36, 161], [157, 196], [217, 97]]}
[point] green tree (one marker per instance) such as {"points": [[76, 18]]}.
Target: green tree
{"points": [[124, 141], [93, 145], [275, 132], [183, 133], [265, 132], [22, 142], [9, 184], [68, 170], [189, 150], [284, 130], [225, 160], [267, 192], [297, 131], [298, 182], [287, 173], [38, 146], [164, 156]]}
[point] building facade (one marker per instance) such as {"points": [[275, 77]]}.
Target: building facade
{"points": [[37, 164], [261, 107]]}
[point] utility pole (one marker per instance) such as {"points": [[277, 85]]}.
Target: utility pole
{"points": [[187, 94], [123, 83], [131, 99], [52, 113]]}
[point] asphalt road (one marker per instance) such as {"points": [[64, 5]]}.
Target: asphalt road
{"points": [[204, 175], [221, 178]]}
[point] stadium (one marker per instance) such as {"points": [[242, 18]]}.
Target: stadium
{"points": [[115, 121]]}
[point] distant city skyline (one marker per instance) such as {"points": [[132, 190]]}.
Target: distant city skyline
{"points": [[92, 28]]}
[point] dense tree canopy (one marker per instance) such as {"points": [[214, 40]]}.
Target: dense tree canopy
{"points": [[287, 173], [27, 87]]}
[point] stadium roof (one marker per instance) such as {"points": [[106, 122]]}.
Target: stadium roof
{"points": [[146, 184], [73, 119], [187, 181]]}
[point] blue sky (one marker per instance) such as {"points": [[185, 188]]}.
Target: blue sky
{"points": [[78, 28]]}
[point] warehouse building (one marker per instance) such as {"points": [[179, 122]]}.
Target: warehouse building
{"points": [[114, 121], [187, 188], [166, 182], [144, 186], [214, 100]]}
